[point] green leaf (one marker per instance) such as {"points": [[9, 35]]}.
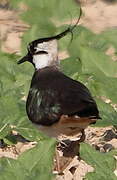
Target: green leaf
{"points": [[5, 129], [95, 61], [10, 139], [104, 164], [70, 66], [107, 113], [109, 36], [15, 3], [12, 169], [36, 163], [39, 160], [51, 8], [28, 130], [46, 17]]}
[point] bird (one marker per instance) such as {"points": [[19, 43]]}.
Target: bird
{"points": [[56, 103]]}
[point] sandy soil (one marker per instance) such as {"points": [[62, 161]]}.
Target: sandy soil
{"points": [[98, 16]]}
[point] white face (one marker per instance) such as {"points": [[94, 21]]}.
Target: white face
{"points": [[44, 60], [41, 60]]}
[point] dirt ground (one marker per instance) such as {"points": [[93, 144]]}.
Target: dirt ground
{"points": [[98, 16]]}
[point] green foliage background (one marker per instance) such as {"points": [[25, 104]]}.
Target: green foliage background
{"points": [[87, 62]]}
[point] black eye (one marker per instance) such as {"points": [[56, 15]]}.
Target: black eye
{"points": [[28, 48], [31, 48], [34, 50]]}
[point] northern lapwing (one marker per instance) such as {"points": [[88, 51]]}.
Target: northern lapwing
{"points": [[56, 104]]}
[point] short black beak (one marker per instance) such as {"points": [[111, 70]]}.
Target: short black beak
{"points": [[25, 58]]}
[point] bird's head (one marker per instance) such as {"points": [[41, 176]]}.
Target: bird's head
{"points": [[41, 53], [44, 51]]}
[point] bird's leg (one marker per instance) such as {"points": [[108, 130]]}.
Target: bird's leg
{"points": [[83, 136], [62, 145], [73, 147], [63, 156], [61, 162], [57, 162], [69, 149], [59, 158]]}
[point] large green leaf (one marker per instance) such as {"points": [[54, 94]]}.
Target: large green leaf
{"points": [[107, 113], [36, 163], [28, 131], [104, 164], [95, 61], [109, 36], [12, 169], [51, 8], [12, 88], [5, 129], [46, 15], [39, 160], [70, 66]]}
